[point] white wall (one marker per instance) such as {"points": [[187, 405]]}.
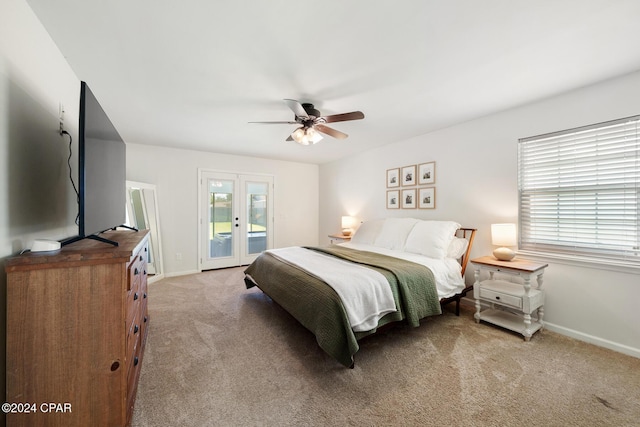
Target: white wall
{"points": [[476, 185], [34, 80], [175, 174], [36, 198]]}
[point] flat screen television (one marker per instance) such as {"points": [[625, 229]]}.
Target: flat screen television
{"points": [[101, 172]]}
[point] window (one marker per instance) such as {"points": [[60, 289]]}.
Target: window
{"points": [[579, 191]]}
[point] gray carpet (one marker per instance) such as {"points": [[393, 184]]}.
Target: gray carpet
{"points": [[221, 355]]}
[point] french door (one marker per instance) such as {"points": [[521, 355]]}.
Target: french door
{"points": [[236, 218]]}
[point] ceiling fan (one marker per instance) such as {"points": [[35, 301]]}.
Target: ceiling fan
{"points": [[313, 123]]}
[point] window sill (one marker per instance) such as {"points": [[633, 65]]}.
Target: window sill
{"points": [[619, 266]]}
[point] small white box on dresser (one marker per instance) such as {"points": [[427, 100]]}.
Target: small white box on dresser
{"points": [[511, 303]]}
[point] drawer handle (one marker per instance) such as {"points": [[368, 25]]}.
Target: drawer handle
{"points": [[145, 272], [135, 361], [144, 295], [497, 297], [135, 296], [135, 329], [136, 271], [145, 319], [114, 366], [140, 257]]}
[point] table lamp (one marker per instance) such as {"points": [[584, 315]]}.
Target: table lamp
{"points": [[503, 235], [347, 225]]}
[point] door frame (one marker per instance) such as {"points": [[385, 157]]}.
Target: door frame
{"points": [[240, 245]]}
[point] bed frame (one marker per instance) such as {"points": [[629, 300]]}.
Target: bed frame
{"points": [[469, 234]]}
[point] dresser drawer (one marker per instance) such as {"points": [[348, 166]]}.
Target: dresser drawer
{"points": [[137, 269], [502, 298], [134, 330], [133, 304], [133, 373]]}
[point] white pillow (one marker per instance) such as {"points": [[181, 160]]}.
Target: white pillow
{"points": [[394, 232], [457, 247], [367, 232], [431, 238]]}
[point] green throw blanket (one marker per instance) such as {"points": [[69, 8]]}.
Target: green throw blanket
{"points": [[418, 294], [318, 308]]}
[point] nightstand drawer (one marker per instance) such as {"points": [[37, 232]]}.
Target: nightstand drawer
{"points": [[504, 299]]}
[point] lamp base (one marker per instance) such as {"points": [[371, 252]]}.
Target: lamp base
{"points": [[504, 254], [346, 232]]}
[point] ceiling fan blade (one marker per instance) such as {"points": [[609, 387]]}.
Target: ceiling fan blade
{"points": [[330, 131], [276, 123], [354, 115], [297, 109]]}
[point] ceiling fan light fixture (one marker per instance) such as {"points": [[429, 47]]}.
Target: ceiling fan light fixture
{"points": [[313, 124], [306, 135]]}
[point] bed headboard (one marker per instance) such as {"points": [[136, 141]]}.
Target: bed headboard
{"points": [[469, 234]]}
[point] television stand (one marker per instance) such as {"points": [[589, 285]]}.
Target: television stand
{"points": [[97, 237], [91, 236]]}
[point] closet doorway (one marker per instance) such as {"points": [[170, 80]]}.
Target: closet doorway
{"points": [[236, 218]]}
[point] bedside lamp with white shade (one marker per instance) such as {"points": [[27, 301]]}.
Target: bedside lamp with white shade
{"points": [[503, 235], [348, 222]]}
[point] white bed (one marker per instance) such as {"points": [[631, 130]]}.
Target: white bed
{"points": [[295, 278]]}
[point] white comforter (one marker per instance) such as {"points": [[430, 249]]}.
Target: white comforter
{"points": [[366, 295], [446, 271]]}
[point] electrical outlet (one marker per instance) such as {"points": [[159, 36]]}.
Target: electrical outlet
{"points": [[61, 117]]}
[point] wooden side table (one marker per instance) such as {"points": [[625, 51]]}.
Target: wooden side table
{"points": [[511, 303], [339, 238]]}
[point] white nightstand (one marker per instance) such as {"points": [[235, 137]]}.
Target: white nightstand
{"points": [[338, 238], [511, 303]]}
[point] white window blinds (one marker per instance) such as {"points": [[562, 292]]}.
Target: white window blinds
{"points": [[579, 191]]}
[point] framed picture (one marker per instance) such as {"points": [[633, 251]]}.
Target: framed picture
{"points": [[409, 199], [427, 173], [427, 198], [393, 199], [393, 178], [408, 176]]}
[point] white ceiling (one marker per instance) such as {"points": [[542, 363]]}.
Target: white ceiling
{"points": [[192, 73]]}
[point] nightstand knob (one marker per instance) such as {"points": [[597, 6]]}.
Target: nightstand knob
{"points": [[497, 297]]}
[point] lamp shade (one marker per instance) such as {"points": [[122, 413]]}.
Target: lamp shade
{"points": [[503, 234], [347, 224]]}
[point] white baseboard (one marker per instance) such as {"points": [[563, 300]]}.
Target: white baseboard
{"points": [[600, 342]]}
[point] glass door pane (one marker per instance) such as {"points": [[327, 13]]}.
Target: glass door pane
{"points": [[257, 194], [221, 218]]}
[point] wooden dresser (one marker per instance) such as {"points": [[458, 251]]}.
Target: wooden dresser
{"points": [[77, 324]]}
